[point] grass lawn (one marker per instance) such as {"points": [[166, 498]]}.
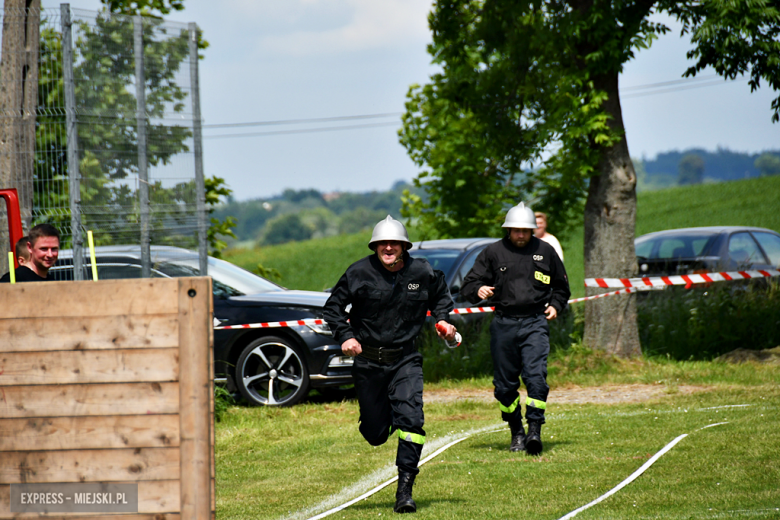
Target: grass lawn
{"points": [[298, 462]]}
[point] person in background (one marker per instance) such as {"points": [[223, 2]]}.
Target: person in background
{"points": [[22, 252], [43, 248], [541, 233]]}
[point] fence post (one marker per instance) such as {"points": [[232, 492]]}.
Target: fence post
{"points": [[143, 174], [200, 182], [71, 124]]}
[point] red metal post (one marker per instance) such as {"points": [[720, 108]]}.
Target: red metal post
{"points": [[14, 218]]}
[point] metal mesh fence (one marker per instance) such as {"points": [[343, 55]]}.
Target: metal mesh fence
{"points": [[131, 151]]}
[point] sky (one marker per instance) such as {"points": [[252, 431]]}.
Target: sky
{"points": [[293, 60]]}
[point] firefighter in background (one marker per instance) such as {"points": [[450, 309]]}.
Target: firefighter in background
{"points": [[390, 294], [524, 278]]}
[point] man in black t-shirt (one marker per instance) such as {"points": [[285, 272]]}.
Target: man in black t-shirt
{"points": [[43, 244]]}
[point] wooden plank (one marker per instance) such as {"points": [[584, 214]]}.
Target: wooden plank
{"points": [[94, 399], [69, 433], [196, 391], [77, 299], [90, 465], [91, 366], [89, 332], [157, 500]]}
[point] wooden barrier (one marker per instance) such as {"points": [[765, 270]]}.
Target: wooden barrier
{"points": [[109, 382]]}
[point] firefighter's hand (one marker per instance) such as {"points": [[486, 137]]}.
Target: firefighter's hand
{"points": [[446, 330], [351, 347], [485, 292], [551, 312]]}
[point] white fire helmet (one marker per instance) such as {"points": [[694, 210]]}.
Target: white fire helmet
{"points": [[389, 229], [520, 217]]}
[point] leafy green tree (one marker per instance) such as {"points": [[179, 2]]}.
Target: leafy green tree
{"points": [[691, 169], [768, 164], [527, 108], [144, 7], [360, 219], [286, 228], [215, 189]]}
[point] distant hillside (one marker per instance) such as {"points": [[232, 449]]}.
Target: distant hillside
{"points": [[718, 166], [317, 264], [304, 214]]}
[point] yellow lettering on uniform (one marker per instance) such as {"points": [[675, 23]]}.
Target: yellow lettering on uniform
{"points": [[542, 277]]}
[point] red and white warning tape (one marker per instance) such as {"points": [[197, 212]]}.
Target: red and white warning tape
{"points": [[685, 279], [628, 285], [274, 324], [471, 310], [613, 293]]}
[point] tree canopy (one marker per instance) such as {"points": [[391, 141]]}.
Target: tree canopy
{"points": [[527, 108]]}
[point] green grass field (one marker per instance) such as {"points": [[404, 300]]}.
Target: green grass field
{"points": [[317, 264], [298, 462]]}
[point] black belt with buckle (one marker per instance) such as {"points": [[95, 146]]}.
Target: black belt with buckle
{"points": [[382, 355]]}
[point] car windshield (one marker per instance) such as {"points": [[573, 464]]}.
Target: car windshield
{"points": [[228, 279], [441, 259], [677, 245]]}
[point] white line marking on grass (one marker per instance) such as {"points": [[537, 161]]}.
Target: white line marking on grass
{"points": [[630, 479], [635, 474], [710, 426], [383, 473], [726, 406]]}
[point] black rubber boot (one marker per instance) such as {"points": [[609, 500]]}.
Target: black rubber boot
{"points": [[533, 441], [403, 497], [518, 439]]}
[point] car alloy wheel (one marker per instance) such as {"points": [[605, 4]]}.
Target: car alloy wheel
{"points": [[272, 372]]}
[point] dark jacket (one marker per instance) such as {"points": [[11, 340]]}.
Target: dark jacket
{"points": [[25, 274], [388, 309], [525, 279]]}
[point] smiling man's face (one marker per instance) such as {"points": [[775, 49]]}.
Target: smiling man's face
{"points": [[390, 253], [43, 254]]}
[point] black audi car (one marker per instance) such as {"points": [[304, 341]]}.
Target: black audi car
{"points": [[268, 366]]}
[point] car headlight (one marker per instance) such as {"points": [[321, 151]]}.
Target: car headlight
{"points": [[341, 361], [321, 329]]}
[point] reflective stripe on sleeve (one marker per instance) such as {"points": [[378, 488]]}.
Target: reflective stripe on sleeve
{"points": [[411, 437], [536, 403], [511, 408]]}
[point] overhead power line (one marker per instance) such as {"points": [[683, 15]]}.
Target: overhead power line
{"points": [[303, 130], [674, 86], [301, 121], [670, 83], [650, 89]]}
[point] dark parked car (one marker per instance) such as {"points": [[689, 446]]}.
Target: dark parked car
{"points": [[454, 257], [707, 249], [271, 366]]}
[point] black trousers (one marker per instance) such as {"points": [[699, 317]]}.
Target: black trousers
{"points": [[520, 347], [391, 401]]}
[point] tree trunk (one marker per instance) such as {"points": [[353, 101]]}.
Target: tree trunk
{"points": [[610, 220], [18, 104]]}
